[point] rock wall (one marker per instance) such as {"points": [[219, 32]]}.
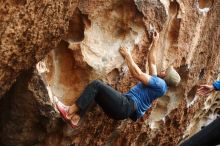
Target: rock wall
{"points": [[29, 117], [189, 40], [29, 30]]}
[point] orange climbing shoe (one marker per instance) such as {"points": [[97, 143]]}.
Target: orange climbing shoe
{"points": [[63, 109]]}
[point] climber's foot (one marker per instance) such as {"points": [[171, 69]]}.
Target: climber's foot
{"points": [[73, 109], [75, 119], [63, 109]]}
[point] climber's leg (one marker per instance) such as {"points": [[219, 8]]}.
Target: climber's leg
{"points": [[79, 108], [208, 136], [75, 118], [72, 110], [88, 96], [114, 103]]}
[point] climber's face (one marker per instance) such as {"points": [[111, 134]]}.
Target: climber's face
{"points": [[162, 74]]}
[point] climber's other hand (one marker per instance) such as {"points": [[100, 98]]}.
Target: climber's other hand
{"points": [[124, 52], [205, 89]]}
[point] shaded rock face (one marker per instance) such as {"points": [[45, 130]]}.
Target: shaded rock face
{"points": [[189, 40], [28, 114], [29, 30]]}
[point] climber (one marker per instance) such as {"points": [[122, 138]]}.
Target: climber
{"points": [[206, 88], [209, 135], [132, 104]]}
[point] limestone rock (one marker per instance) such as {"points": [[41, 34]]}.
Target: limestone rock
{"points": [[189, 40], [29, 30], [121, 26], [27, 115]]}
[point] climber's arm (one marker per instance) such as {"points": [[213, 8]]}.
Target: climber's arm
{"points": [[152, 55], [133, 68], [206, 88]]}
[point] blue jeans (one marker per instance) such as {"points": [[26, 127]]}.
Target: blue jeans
{"points": [[114, 104], [208, 136]]}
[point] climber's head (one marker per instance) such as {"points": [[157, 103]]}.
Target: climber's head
{"points": [[171, 76]]}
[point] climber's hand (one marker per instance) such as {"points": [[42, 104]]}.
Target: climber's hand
{"points": [[205, 89], [124, 52]]}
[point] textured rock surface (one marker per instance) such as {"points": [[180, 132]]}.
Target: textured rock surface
{"points": [[119, 26], [28, 113], [28, 30], [189, 40]]}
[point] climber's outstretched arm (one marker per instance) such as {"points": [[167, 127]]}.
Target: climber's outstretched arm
{"points": [[152, 55], [133, 68], [206, 88]]}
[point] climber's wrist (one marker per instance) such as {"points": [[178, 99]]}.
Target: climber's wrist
{"points": [[212, 88], [127, 55]]}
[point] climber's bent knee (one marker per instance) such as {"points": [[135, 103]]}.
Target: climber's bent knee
{"points": [[96, 82]]}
